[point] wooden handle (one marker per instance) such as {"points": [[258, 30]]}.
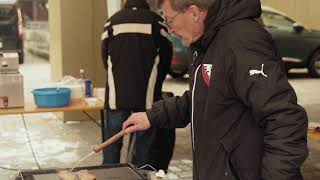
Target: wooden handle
{"points": [[109, 141]]}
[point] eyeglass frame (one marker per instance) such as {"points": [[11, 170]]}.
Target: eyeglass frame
{"points": [[169, 23]]}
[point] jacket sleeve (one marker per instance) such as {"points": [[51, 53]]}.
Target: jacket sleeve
{"points": [[164, 46], [171, 113], [165, 53], [260, 82], [104, 46]]}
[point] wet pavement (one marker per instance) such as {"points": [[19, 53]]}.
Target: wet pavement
{"points": [[38, 141]]}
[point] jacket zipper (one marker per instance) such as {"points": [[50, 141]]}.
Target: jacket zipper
{"points": [[192, 106]]}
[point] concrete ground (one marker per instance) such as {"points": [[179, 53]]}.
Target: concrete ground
{"points": [[38, 141]]}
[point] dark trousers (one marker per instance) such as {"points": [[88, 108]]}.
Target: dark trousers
{"points": [[162, 148], [163, 143], [140, 146], [154, 146]]}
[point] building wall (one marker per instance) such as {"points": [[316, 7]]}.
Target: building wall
{"points": [[75, 28], [305, 12]]}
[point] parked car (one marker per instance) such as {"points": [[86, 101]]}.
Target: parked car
{"points": [[11, 29], [181, 58], [299, 46]]}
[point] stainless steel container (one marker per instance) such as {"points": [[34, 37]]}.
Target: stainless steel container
{"points": [[11, 90], [11, 81], [9, 63]]}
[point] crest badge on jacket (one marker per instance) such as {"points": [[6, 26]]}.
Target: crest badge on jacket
{"points": [[206, 73]]}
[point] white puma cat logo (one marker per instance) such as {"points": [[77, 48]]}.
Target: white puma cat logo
{"points": [[252, 72]]}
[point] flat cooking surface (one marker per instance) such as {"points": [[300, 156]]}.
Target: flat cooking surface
{"points": [[103, 172]]}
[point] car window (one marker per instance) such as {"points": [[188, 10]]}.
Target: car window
{"points": [[273, 20], [7, 13], [8, 21]]}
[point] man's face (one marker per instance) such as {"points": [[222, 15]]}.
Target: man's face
{"points": [[188, 25]]}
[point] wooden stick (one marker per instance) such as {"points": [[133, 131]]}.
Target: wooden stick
{"points": [[109, 141]]}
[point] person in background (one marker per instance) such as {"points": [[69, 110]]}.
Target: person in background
{"points": [[245, 120], [162, 147], [136, 55]]}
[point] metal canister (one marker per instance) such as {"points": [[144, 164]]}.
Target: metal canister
{"points": [[88, 87]]}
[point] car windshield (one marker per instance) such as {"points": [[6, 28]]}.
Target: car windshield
{"points": [[273, 20], [7, 13], [8, 21]]}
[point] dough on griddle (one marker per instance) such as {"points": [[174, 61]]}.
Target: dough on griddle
{"points": [[85, 175], [66, 175]]}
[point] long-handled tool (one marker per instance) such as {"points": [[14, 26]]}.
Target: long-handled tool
{"points": [[109, 141], [100, 147]]}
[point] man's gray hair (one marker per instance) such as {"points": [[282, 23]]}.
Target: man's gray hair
{"points": [[181, 5]]}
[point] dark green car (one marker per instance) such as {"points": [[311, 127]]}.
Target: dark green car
{"points": [[181, 58], [299, 46]]}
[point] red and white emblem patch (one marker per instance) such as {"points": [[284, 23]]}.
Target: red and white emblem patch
{"points": [[206, 73]]}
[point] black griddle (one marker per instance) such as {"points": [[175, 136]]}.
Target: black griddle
{"points": [[103, 172]]}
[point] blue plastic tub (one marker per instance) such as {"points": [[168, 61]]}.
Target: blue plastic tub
{"points": [[52, 97]]}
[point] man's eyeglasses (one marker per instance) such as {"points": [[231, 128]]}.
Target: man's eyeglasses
{"points": [[170, 21]]}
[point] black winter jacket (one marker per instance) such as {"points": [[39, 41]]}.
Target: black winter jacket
{"points": [[246, 123], [136, 55]]}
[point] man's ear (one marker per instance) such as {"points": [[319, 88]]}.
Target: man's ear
{"points": [[195, 12]]}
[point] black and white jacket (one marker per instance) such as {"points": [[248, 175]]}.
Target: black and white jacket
{"points": [[246, 123], [137, 55]]}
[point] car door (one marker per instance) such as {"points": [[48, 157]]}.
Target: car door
{"points": [[290, 43]]}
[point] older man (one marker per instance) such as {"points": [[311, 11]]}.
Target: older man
{"points": [[246, 123]]}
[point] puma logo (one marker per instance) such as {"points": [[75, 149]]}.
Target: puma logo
{"points": [[253, 72]]}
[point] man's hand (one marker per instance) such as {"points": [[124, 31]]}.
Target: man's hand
{"points": [[136, 122]]}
